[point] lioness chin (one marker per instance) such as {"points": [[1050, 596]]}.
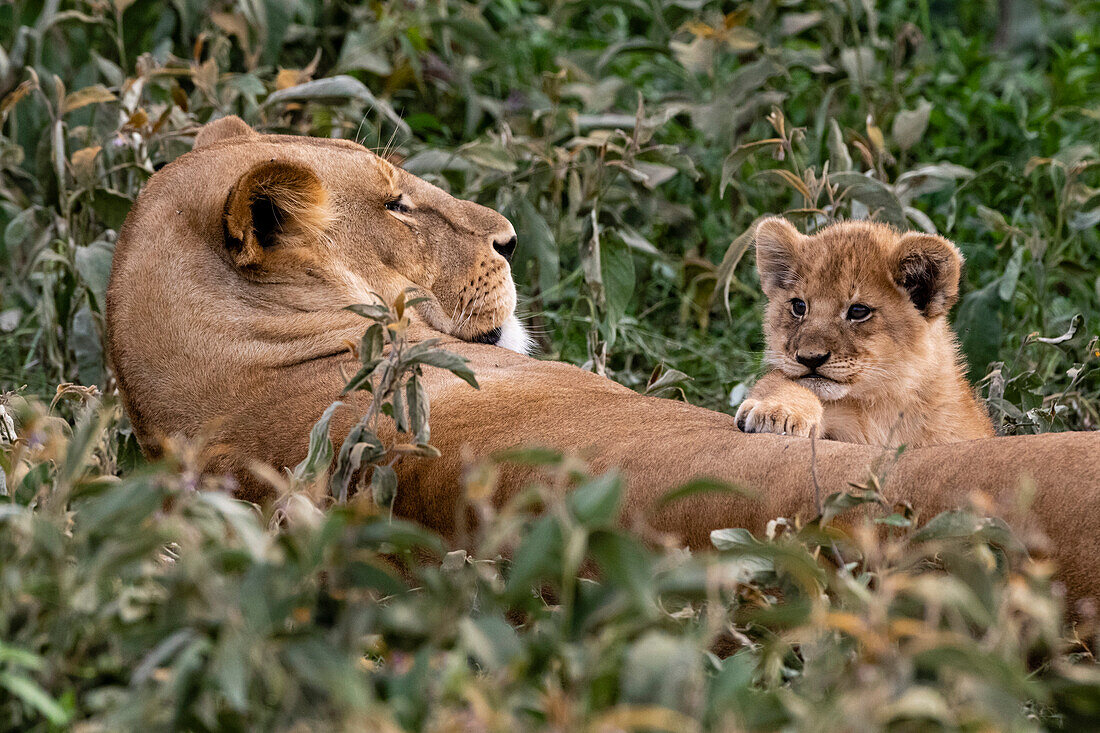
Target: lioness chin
{"points": [[858, 340]]}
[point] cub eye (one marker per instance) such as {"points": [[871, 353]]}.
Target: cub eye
{"points": [[858, 312], [798, 307], [398, 205]]}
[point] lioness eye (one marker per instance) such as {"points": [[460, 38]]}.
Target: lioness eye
{"points": [[858, 312], [798, 307], [399, 205]]}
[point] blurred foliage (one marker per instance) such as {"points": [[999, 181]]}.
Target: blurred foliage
{"points": [[157, 602], [633, 143]]}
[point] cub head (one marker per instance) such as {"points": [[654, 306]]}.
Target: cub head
{"points": [[854, 309], [320, 223]]}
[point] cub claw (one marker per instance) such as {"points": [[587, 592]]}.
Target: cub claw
{"points": [[760, 416]]}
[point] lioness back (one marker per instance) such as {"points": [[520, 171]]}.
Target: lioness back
{"points": [[858, 340]]}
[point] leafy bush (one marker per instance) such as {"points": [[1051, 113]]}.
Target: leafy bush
{"points": [[139, 603], [633, 144]]}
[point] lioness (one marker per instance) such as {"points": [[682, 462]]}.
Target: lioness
{"points": [[858, 340], [226, 324]]}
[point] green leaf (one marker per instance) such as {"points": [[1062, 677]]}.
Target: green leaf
{"points": [[34, 697], [371, 345], [491, 641], [700, 486], [665, 378], [372, 311], [231, 668], [731, 166], [22, 227], [840, 159], [455, 364], [537, 556], [362, 379], [1069, 333], [93, 262], [319, 457], [895, 520], [536, 241], [595, 503], [362, 51], [660, 669], [617, 268], [910, 124], [374, 575], [733, 539], [528, 456], [359, 448], [400, 414], [87, 348], [840, 502], [979, 325], [734, 253], [383, 486], [111, 207], [417, 398], [1007, 288], [335, 90], [876, 195], [491, 156], [954, 525]]}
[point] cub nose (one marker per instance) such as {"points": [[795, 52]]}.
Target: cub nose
{"points": [[812, 361], [506, 247]]}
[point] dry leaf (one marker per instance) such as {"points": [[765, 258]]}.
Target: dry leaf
{"points": [[83, 163], [14, 96], [287, 78], [205, 75], [138, 120], [95, 94], [874, 134]]}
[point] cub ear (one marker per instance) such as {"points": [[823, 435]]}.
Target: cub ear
{"points": [[276, 202], [927, 267], [777, 247], [222, 129]]}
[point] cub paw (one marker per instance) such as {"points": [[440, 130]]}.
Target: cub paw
{"points": [[766, 416]]}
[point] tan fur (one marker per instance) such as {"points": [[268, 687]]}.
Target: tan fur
{"points": [[894, 378], [248, 358]]}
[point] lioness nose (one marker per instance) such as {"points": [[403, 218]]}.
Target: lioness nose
{"points": [[813, 361], [506, 247]]}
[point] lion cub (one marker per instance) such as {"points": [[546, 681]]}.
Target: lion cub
{"points": [[858, 340]]}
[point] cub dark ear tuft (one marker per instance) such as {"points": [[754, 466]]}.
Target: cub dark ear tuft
{"points": [[276, 202], [927, 267], [222, 129], [777, 246]]}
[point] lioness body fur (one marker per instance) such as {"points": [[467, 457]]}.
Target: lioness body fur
{"points": [[858, 340], [242, 350]]}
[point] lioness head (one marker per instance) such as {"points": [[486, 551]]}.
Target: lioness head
{"points": [[239, 258], [335, 223], [853, 309]]}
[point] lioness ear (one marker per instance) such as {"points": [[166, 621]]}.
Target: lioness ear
{"points": [[927, 267], [222, 129], [777, 245], [277, 202]]}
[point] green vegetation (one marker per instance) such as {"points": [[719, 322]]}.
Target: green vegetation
{"points": [[633, 144]]}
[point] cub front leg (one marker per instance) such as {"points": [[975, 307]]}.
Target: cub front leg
{"points": [[778, 405]]}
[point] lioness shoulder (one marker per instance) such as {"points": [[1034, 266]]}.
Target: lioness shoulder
{"points": [[857, 338]]}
